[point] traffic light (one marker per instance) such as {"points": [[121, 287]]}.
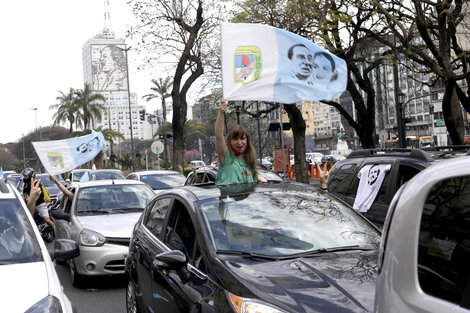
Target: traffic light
{"points": [[142, 114], [431, 109]]}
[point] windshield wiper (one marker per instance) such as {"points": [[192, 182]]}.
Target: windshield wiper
{"points": [[248, 254], [325, 250], [95, 211], [125, 210]]}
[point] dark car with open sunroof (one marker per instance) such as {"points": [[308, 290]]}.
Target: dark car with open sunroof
{"points": [[267, 247]]}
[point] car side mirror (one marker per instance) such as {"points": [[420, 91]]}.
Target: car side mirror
{"points": [[172, 259], [64, 249], [61, 215]]}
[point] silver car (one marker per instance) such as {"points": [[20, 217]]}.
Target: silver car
{"points": [[159, 180], [100, 218]]}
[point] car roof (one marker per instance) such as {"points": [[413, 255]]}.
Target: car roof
{"points": [[215, 191], [156, 172], [6, 190], [106, 182]]}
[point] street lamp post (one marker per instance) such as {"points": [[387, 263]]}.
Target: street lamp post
{"points": [[24, 159], [130, 112]]}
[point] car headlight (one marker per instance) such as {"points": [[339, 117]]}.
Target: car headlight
{"points": [[245, 305], [49, 304], [90, 238]]}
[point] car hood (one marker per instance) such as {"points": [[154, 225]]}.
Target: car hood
{"points": [[118, 225], [332, 282], [24, 285]]}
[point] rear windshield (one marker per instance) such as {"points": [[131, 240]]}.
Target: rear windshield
{"points": [[164, 181]]}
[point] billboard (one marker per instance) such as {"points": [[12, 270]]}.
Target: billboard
{"points": [[108, 67]]}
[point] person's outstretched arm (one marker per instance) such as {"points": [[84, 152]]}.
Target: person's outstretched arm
{"points": [[62, 188], [220, 146]]}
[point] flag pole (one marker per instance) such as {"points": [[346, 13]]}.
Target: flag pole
{"points": [[282, 141]]}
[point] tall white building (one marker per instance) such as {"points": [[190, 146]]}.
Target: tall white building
{"points": [[105, 70]]}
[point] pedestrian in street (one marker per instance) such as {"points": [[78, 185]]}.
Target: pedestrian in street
{"points": [[236, 153]]}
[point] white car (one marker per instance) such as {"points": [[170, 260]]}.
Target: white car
{"points": [[159, 179], [100, 218], [198, 164], [29, 279], [425, 249]]}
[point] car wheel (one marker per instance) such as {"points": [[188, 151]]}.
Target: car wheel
{"points": [[77, 279], [131, 300]]}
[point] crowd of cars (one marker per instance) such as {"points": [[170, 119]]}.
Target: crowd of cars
{"points": [[187, 245]]}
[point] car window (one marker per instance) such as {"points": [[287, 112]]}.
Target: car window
{"points": [[444, 242], [18, 243], [181, 234], [283, 223], [156, 217], [106, 175], [342, 179], [109, 198], [405, 173]]}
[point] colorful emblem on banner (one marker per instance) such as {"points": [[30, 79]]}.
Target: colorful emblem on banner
{"points": [[247, 64], [55, 159]]}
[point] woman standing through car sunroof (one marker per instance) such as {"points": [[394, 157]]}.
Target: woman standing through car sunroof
{"points": [[237, 155]]}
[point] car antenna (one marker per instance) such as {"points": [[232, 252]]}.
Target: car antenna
{"points": [[113, 181]]}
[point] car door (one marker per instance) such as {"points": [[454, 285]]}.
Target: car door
{"points": [[183, 290], [146, 246], [63, 228]]}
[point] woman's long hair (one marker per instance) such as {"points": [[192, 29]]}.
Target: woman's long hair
{"points": [[250, 153]]}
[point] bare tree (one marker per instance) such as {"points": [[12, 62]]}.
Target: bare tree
{"points": [[336, 26], [177, 33], [434, 34]]}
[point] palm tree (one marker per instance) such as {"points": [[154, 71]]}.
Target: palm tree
{"points": [[162, 89], [66, 109], [90, 105], [108, 134]]}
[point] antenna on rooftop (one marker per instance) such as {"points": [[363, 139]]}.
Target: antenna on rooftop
{"points": [[107, 20]]}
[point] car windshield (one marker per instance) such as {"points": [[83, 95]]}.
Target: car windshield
{"points": [[163, 181], [113, 199], [282, 223], [18, 243], [107, 175], [269, 176]]}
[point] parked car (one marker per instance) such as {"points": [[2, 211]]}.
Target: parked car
{"points": [[29, 279], [425, 248], [159, 180], [284, 247], [100, 219], [405, 163], [15, 180], [197, 163], [208, 174], [314, 157], [75, 176], [51, 187], [8, 173]]}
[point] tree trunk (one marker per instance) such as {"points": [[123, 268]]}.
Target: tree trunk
{"points": [[453, 114], [98, 160], [298, 129]]}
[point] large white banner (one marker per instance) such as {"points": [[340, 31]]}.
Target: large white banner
{"points": [[60, 156], [265, 63]]}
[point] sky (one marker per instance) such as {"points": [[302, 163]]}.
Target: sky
{"points": [[42, 53]]}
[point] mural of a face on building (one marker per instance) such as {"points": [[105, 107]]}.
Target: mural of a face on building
{"points": [[108, 68]]}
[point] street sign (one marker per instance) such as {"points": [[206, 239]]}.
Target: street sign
{"points": [[157, 147], [440, 122]]}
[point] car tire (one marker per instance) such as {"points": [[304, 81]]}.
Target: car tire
{"points": [[131, 300], [75, 278]]}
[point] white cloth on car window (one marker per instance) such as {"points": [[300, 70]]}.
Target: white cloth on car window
{"points": [[371, 178]]}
